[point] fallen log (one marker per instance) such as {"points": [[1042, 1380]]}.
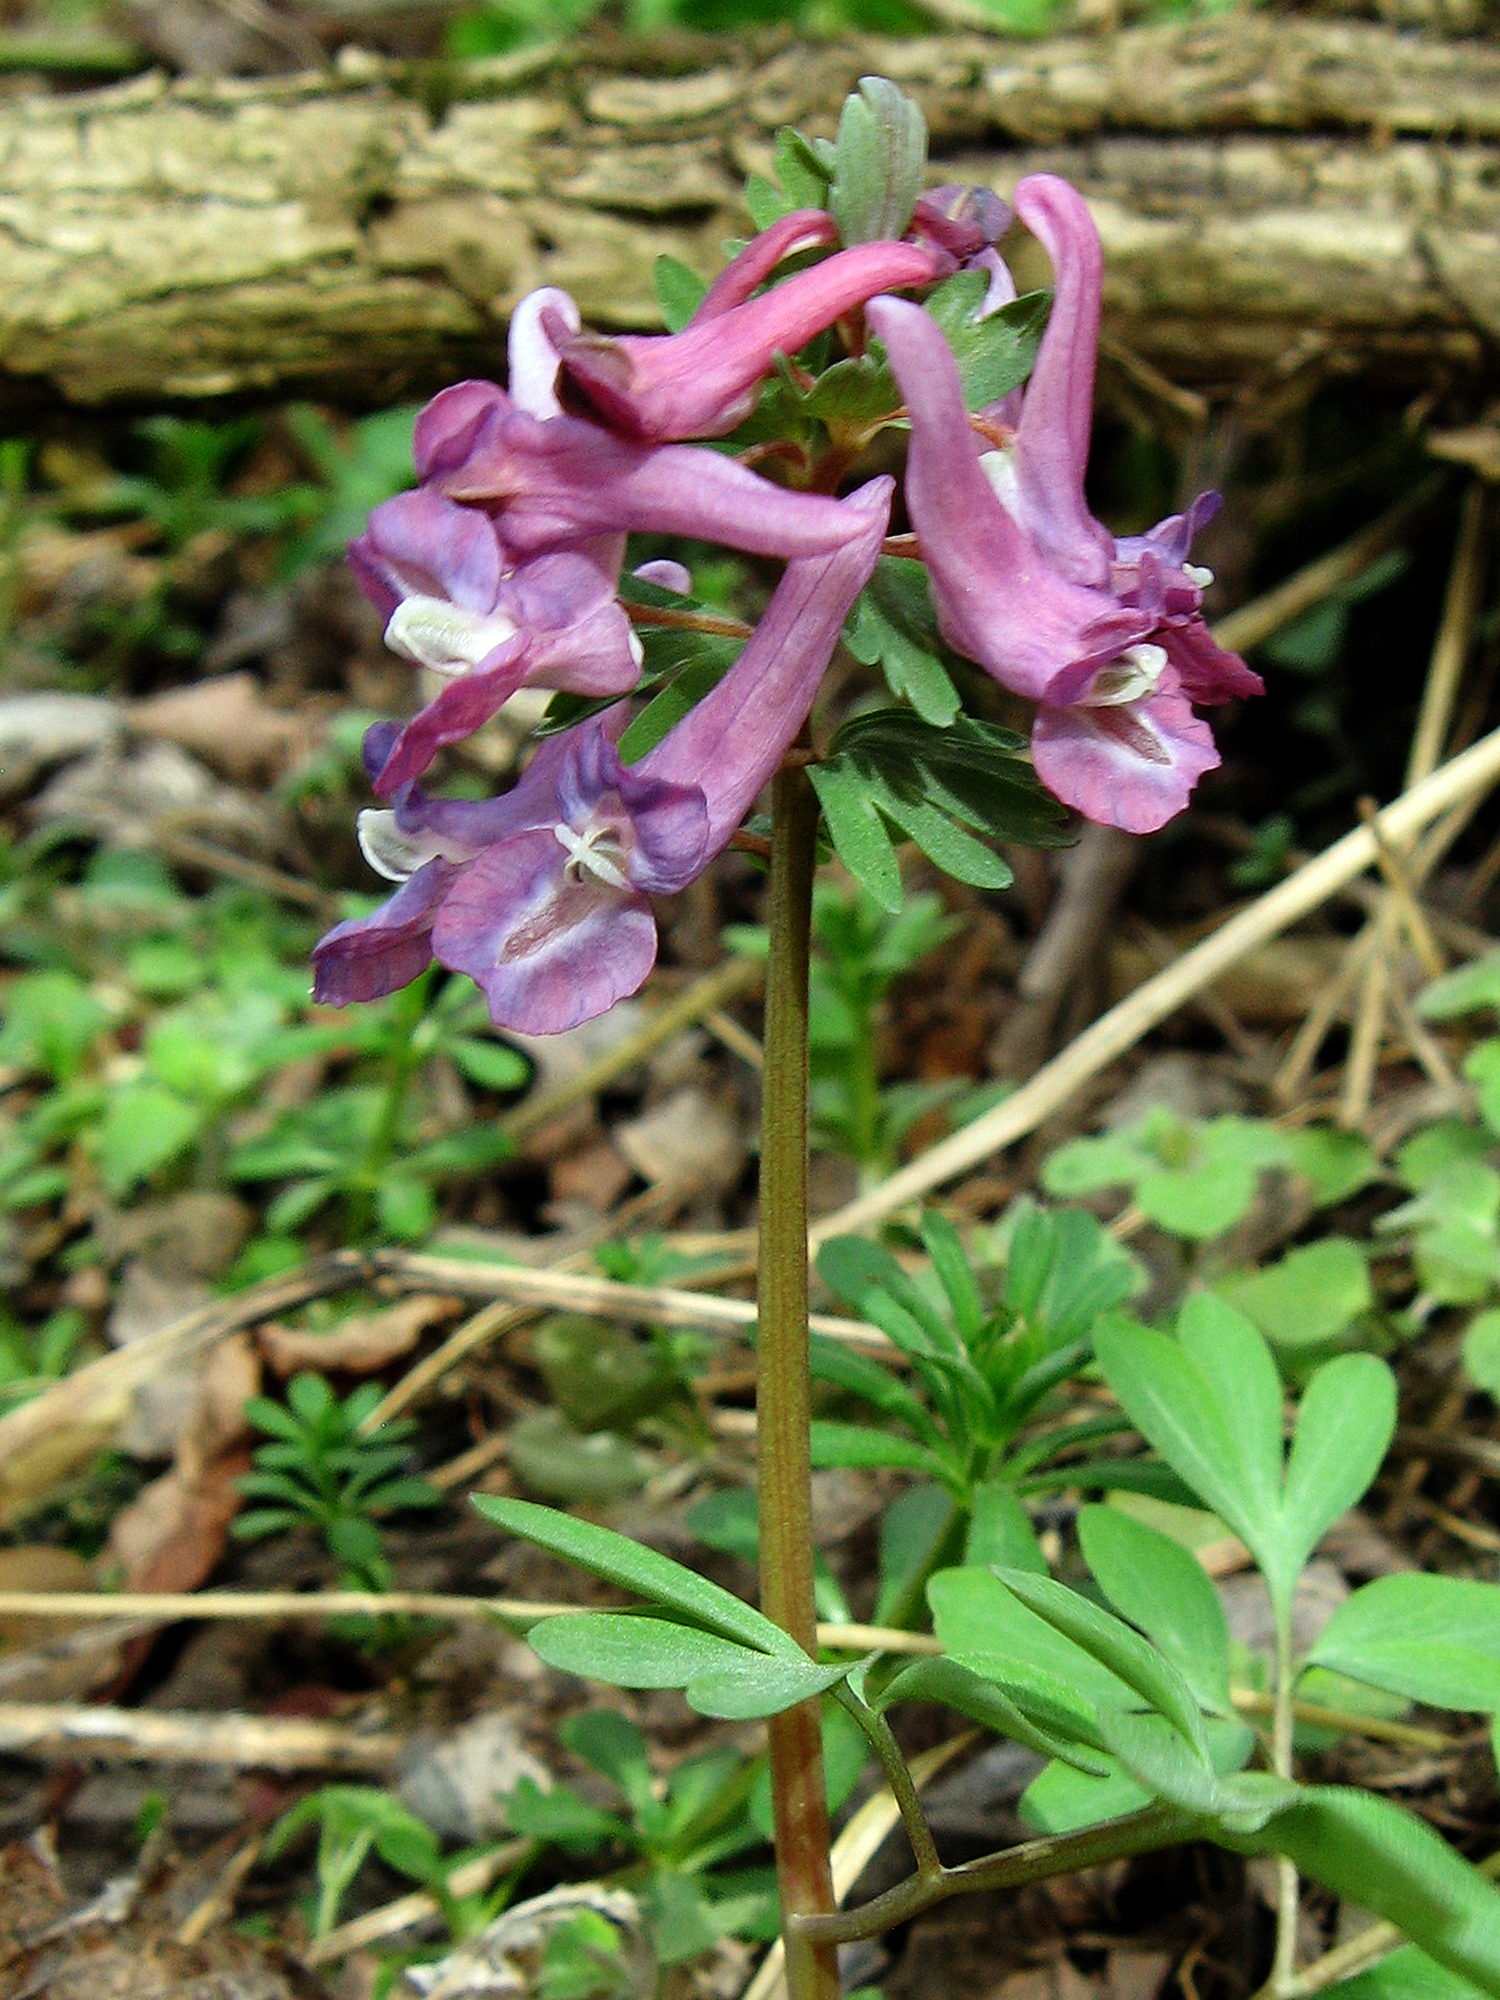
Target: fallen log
{"points": [[1273, 193]]}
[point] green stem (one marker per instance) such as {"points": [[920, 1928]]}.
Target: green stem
{"points": [[1033, 1861], [1283, 1980], [403, 1056], [803, 1871], [882, 1740]]}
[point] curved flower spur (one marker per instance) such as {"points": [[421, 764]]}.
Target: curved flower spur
{"points": [[1107, 638]]}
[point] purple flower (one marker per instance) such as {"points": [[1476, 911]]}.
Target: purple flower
{"points": [[702, 382], [453, 605], [1106, 638], [542, 897], [562, 482]]}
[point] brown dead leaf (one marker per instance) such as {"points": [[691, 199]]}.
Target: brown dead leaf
{"points": [[360, 1344], [173, 1533], [689, 1137], [227, 722]]}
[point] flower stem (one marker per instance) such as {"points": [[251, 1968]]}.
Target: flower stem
{"points": [[803, 1871], [1283, 1980]]}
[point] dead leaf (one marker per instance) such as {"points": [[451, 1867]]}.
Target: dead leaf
{"points": [[361, 1344], [227, 722], [156, 788], [38, 731], [689, 1137], [173, 1533]]}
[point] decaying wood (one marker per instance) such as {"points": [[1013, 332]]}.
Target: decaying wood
{"points": [[1271, 192]]}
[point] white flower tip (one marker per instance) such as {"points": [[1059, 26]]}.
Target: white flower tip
{"points": [[443, 637]]}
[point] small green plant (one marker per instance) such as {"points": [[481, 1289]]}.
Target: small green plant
{"points": [[356, 1821], [678, 1833], [321, 1469], [979, 1422]]}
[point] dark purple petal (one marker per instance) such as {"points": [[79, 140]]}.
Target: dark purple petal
{"points": [[460, 708], [549, 946], [701, 382], [961, 220], [1052, 439], [374, 955], [998, 600], [1208, 673], [471, 824], [1132, 766], [743, 276]]}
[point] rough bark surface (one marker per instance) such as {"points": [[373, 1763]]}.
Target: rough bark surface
{"points": [[1271, 193]]}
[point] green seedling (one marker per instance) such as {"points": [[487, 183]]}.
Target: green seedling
{"points": [[321, 1469], [677, 1833], [984, 1372]]}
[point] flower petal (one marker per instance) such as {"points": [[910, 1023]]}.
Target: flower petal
{"points": [[550, 947], [701, 382], [1051, 447], [998, 600], [1132, 767], [374, 955]]}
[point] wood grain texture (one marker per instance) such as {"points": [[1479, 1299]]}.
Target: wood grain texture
{"points": [[1271, 192]]}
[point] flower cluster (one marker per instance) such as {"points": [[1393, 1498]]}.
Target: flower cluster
{"points": [[502, 568]]}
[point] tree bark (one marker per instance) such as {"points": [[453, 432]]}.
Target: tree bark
{"points": [[1272, 193]]}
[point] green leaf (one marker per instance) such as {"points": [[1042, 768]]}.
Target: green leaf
{"points": [[406, 1208], [987, 1629], [143, 1128], [1162, 1588], [1408, 1974], [550, 1455], [679, 291], [856, 1445], [1237, 1366], [1160, 1758], [1434, 1639], [1375, 1855], [948, 846], [996, 353], [492, 1065], [1482, 1352], [965, 1692], [562, 1817], [1310, 1296], [860, 391], [1167, 1399], [845, 1368], [1465, 990], [858, 832], [632, 1567], [51, 1022], [894, 625], [1345, 1424], [1336, 1163], [879, 159], [914, 1531], [1116, 1646], [1000, 1530], [718, 1676]]}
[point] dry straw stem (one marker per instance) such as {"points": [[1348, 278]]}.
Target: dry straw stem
{"points": [[1459, 781], [240, 1604], [134, 1735], [566, 1291]]}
